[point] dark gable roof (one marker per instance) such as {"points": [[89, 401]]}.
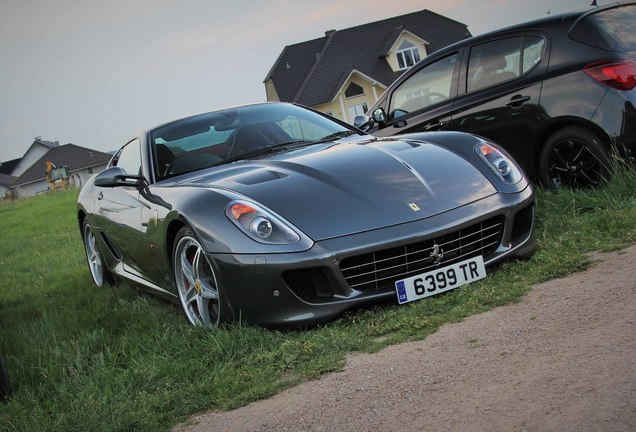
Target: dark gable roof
{"points": [[7, 167], [49, 144], [74, 157], [312, 72], [293, 65]]}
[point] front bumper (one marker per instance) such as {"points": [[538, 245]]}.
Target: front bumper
{"points": [[257, 287]]}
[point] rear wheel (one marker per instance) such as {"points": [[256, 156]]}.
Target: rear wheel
{"points": [[94, 258], [576, 158], [196, 282]]}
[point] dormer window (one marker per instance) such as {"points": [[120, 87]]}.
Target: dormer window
{"points": [[354, 90], [407, 55]]}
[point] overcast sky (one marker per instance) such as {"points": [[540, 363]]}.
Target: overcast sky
{"points": [[93, 72]]}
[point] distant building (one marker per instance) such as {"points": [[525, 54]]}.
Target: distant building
{"points": [[345, 71], [28, 174], [5, 185], [38, 148]]}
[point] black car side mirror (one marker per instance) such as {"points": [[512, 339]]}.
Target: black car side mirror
{"points": [[115, 176], [379, 115], [363, 122]]}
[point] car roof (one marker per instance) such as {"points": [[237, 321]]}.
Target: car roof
{"points": [[546, 22]]}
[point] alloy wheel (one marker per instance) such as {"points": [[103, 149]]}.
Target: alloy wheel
{"points": [[196, 283], [572, 164], [94, 258]]}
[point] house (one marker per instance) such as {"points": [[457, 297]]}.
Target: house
{"points": [[345, 71], [6, 168], [81, 163], [38, 148], [5, 185]]}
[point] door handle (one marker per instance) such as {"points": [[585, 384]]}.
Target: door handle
{"points": [[100, 196], [517, 101], [435, 126]]}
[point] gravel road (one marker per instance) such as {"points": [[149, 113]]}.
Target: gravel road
{"points": [[563, 359]]}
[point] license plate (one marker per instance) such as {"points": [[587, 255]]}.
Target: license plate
{"points": [[440, 280]]}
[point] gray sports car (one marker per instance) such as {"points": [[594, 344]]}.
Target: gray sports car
{"points": [[278, 215]]}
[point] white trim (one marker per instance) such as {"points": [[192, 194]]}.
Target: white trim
{"points": [[366, 77], [423, 41], [342, 107], [375, 93]]}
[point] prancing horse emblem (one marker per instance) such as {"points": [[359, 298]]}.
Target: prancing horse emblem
{"points": [[437, 254], [414, 207]]}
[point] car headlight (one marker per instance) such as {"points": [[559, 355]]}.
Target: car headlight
{"points": [[499, 163], [260, 224]]}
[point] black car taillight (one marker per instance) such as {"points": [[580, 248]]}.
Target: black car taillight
{"points": [[619, 74]]}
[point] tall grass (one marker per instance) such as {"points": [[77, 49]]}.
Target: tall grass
{"points": [[84, 358]]}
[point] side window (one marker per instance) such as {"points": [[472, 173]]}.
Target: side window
{"points": [[533, 49], [428, 86], [129, 158], [502, 60]]}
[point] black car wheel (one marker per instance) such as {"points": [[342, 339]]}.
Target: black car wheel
{"points": [[196, 282], [96, 265], [575, 158]]}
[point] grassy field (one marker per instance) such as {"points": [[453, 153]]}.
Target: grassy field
{"points": [[81, 358]]}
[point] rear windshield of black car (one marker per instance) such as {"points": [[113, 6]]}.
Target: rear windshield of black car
{"points": [[610, 29]]}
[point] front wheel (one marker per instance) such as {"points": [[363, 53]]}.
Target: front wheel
{"points": [[94, 258], [196, 282], [576, 158]]}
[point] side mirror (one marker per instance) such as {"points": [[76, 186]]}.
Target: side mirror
{"points": [[115, 176], [360, 120], [363, 122], [379, 115]]}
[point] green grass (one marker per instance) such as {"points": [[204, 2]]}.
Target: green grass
{"points": [[82, 358]]}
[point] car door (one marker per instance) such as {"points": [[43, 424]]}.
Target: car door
{"points": [[499, 92], [119, 209], [423, 100]]}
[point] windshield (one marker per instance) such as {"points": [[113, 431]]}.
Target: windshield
{"points": [[214, 138]]}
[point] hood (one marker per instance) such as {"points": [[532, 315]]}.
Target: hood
{"points": [[339, 189]]}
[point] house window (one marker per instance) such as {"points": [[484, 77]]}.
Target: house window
{"points": [[357, 110], [90, 170], [354, 90], [407, 55]]}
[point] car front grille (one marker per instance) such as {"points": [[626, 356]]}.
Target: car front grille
{"points": [[380, 270]]}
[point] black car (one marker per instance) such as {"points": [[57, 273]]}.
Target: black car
{"points": [[557, 93], [276, 214]]}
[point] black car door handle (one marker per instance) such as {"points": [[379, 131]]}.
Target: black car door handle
{"points": [[517, 101], [434, 126]]}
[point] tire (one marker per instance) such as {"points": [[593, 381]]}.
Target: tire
{"points": [[576, 158], [94, 258], [4, 381], [196, 281]]}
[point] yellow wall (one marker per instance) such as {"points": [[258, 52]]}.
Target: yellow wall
{"points": [[270, 91], [335, 107]]}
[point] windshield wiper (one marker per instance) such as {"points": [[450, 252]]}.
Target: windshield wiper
{"points": [[335, 135], [255, 153]]}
